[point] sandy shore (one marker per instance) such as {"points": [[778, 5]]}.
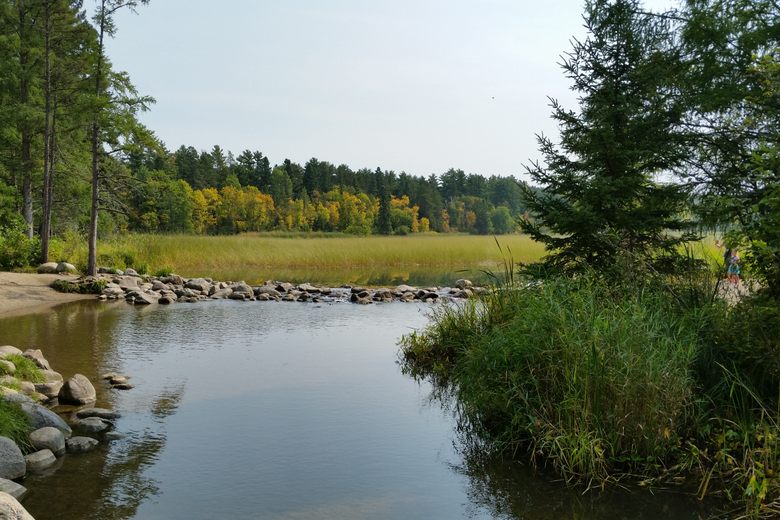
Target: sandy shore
{"points": [[24, 293]]}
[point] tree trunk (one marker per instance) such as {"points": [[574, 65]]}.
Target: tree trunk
{"points": [[93, 219], [47, 137]]}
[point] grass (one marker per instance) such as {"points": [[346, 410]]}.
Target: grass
{"points": [[14, 424], [26, 369], [334, 259], [607, 383]]}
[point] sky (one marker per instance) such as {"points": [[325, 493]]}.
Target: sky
{"points": [[407, 85]]}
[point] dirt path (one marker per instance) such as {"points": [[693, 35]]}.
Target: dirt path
{"points": [[24, 293]]}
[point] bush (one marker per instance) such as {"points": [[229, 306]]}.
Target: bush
{"points": [[16, 250]]}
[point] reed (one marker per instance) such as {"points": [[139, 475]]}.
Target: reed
{"points": [[301, 257]]}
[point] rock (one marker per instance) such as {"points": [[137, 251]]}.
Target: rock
{"points": [[11, 509], [77, 389], [27, 387], [118, 380], [139, 297], [40, 460], [103, 413], [401, 289], [48, 438], [80, 444], [37, 357], [127, 282], [16, 397], [114, 436], [263, 298], [240, 296], [7, 367], [8, 380], [157, 285], [198, 284], [65, 267], [267, 290], [12, 488], [167, 297], [174, 279], [221, 294], [48, 268], [41, 417], [7, 350], [109, 375], [113, 291], [91, 425], [12, 463], [463, 293], [52, 386], [308, 288], [242, 287], [132, 272], [284, 287], [463, 284], [124, 386], [5, 391]]}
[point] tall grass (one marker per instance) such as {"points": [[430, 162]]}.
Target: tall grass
{"points": [[315, 258], [14, 424], [606, 382]]}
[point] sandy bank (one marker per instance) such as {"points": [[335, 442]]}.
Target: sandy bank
{"points": [[24, 293]]}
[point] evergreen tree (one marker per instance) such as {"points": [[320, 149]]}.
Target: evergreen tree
{"points": [[602, 197]]}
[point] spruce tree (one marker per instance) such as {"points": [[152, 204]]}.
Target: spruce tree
{"points": [[604, 197]]}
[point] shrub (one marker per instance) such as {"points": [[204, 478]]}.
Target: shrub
{"points": [[16, 250]]}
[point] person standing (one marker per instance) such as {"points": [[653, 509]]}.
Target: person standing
{"points": [[733, 262]]}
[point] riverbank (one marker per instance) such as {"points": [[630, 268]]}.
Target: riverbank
{"points": [[27, 293]]}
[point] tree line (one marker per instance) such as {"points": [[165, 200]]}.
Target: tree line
{"points": [[74, 157]]}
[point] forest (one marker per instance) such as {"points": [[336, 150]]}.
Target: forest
{"points": [[75, 158]]}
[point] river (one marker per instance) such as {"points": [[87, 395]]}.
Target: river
{"points": [[283, 412]]}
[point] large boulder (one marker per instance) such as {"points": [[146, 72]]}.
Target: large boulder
{"points": [[221, 294], [65, 267], [48, 438], [91, 425], [12, 463], [41, 417], [142, 298], [52, 386], [462, 283], [40, 461], [103, 413], [198, 284], [78, 389], [132, 272], [127, 282], [267, 290], [48, 268], [37, 357], [81, 444], [7, 350], [12, 488], [7, 367], [11, 509]]}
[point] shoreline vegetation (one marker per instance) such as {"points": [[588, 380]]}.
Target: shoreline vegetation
{"points": [[643, 384]]}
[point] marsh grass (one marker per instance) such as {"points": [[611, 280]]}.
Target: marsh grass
{"points": [[26, 369], [315, 258], [603, 383], [14, 424]]}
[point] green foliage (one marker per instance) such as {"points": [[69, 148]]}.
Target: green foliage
{"points": [[601, 197], [80, 286], [16, 250], [14, 424], [595, 379], [26, 369]]}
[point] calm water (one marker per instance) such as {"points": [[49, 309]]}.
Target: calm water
{"points": [[278, 411]]}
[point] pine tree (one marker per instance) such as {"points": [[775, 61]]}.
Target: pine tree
{"points": [[602, 198]]}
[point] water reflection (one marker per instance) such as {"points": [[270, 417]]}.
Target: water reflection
{"points": [[280, 411]]}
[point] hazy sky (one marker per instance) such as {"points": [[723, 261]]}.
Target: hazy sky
{"points": [[409, 85]]}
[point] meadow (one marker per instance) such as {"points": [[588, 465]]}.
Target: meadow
{"points": [[335, 259]]}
